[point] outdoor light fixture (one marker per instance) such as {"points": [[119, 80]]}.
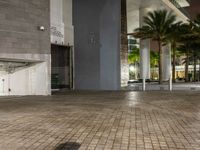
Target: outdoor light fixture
{"points": [[41, 28]]}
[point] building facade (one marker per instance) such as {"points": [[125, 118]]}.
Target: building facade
{"points": [[136, 11], [76, 44], [25, 47]]}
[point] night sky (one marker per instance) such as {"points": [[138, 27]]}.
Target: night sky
{"points": [[194, 8]]}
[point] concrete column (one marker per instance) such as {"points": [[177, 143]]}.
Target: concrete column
{"points": [[166, 62], [124, 45], [97, 44], [144, 51], [145, 59]]}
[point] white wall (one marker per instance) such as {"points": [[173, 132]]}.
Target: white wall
{"points": [[57, 25], [27, 81], [67, 19], [32, 80], [62, 31], [2, 84]]}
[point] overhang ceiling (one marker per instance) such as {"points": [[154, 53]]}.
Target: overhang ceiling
{"points": [[183, 3], [133, 7]]}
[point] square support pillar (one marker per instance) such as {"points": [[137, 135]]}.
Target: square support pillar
{"points": [[166, 62], [124, 45], [144, 51], [97, 44]]}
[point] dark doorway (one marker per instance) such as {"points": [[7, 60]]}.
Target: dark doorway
{"points": [[61, 67]]}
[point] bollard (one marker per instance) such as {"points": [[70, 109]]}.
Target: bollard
{"points": [[143, 84], [170, 84]]}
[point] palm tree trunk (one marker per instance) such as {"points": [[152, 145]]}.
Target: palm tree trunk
{"points": [[160, 62], [174, 63], [186, 66]]}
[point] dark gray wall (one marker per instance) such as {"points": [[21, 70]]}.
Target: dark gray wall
{"points": [[19, 20], [97, 44]]}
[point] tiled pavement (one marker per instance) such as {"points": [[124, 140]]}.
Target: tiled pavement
{"points": [[101, 120], [154, 86]]}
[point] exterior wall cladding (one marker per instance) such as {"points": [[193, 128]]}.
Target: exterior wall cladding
{"points": [[97, 55], [20, 40], [18, 26]]}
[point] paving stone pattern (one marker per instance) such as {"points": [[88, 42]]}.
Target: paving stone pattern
{"points": [[101, 121]]}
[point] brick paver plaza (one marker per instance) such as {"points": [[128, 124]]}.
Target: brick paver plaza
{"points": [[101, 120]]}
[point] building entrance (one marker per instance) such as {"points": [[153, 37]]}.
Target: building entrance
{"points": [[61, 67]]}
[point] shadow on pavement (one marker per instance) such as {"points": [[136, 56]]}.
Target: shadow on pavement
{"points": [[68, 146]]}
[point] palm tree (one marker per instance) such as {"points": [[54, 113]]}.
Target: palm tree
{"points": [[187, 38], [185, 51], [156, 25], [134, 58], [196, 25], [195, 57], [192, 59], [154, 61], [174, 38], [197, 51]]}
